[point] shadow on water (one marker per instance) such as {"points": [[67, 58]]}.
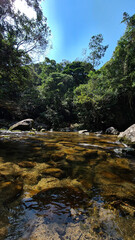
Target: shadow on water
{"points": [[65, 186]]}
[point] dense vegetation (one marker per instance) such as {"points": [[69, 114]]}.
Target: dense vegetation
{"points": [[62, 94]]}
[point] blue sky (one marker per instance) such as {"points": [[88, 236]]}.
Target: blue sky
{"points": [[74, 22]]}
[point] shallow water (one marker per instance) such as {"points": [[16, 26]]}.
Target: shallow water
{"points": [[65, 186]]}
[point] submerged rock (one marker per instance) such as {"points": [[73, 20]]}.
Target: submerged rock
{"points": [[112, 185], [65, 194], [125, 207], [9, 191], [55, 172], [4, 224], [27, 164], [60, 204], [97, 224]]}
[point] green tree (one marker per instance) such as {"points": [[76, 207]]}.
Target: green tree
{"points": [[97, 50], [27, 34], [86, 105], [79, 70], [57, 95], [19, 37], [48, 67], [13, 69], [121, 68]]}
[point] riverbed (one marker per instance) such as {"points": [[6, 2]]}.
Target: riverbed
{"points": [[61, 186]]}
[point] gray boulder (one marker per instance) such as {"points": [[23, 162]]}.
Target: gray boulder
{"points": [[128, 136], [24, 125], [112, 131], [84, 132]]}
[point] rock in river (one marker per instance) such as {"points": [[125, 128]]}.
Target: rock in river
{"points": [[112, 131], [84, 132], [128, 136], [23, 125], [9, 191]]}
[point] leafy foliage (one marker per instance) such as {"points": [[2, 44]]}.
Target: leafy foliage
{"points": [[56, 92], [27, 34], [79, 71], [19, 36], [59, 94], [111, 90], [97, 50]]}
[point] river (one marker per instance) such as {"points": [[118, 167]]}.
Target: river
{"points": [[61, 186]]}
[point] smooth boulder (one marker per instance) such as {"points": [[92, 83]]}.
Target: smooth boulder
{"points": [[24, 125], [128, 136], [85, 131]]}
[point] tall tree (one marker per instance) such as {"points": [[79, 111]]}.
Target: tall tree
{"points": [[20, 36], [97, 50], [56, 92], [79, 71], [27, 34]]}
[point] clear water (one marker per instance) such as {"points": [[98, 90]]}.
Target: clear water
{"points": [[65, 186]]}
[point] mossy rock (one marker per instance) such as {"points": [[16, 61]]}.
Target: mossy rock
{"points": [[9, 191]]}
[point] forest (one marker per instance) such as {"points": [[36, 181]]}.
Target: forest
{"points": [[64, 94]]}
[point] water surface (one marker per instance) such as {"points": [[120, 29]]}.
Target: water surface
{"points": [[65, 186]]}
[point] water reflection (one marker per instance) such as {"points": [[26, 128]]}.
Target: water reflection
{"points": [[65, 186]]}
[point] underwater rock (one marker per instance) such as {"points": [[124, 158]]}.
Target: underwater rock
{"points": [[9, 191], [52, 182], [45, 183], [37, 229], [126, 208], [60, 204], [41, 167], [113, 185], [3, 227], [9, 171], [27, 164], [57, 155], [11, 183], [75, 158], [43, 232], [31, 177], [55, 172], [120, 190], [72, 196]]}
